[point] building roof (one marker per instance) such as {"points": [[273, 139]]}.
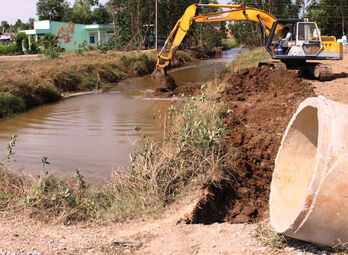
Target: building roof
{"points": [[5, 37]]}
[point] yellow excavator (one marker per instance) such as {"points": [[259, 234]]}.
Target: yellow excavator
{"points": [[304, 43]]}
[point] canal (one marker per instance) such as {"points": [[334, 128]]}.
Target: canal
{"points": [[95, 132]]}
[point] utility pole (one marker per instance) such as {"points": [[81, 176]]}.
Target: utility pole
{"points": [[156, 40], [342, 14], [303, 8]]}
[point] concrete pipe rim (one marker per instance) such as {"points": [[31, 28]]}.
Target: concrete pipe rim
{"points": [[292, 190]]}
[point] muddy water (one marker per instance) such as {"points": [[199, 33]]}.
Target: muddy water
{"points": [[95, 132]]}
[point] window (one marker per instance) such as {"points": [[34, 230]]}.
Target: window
{"points": [[307, 32], [91, 39]]}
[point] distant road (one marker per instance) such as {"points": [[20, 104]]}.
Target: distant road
{"points": [[19, 58]]}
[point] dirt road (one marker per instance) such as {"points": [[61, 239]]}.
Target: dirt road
{"points": [[336, 89]]}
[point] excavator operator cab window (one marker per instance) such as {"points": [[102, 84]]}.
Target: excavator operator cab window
{"points": [[284, 38], [308, 37], [308, 31]]}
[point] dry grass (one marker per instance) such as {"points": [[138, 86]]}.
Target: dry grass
{"points": [[24, 85], [280, 243]]}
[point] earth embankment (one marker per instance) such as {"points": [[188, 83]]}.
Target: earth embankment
{"points": [[260, 103]]}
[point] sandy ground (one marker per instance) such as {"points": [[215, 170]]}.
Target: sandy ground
{"points": [[164, 235], [19, 58], [336, 89]]}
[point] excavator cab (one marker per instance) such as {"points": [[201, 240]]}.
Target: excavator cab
{"points": [[304, 43]]}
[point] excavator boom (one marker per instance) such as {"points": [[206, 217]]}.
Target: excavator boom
{"points": [[238, 12], [303, 43]]}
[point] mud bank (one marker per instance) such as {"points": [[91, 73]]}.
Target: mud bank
{"points": [[260, 103]]}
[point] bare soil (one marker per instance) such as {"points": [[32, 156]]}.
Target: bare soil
{"points": [[261, 101]]}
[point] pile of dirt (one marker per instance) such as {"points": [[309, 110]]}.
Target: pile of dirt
{"points": [[261, 102]]}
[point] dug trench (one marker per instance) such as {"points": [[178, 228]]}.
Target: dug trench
{"points": [[260, 104]]}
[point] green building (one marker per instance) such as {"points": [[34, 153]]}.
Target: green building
{"points": [[71, 35]]}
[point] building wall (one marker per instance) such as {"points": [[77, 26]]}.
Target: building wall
{"points": [[80, 34]]}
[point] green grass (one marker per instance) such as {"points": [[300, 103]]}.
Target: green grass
{"points": [[229, 43], [248, 59]]}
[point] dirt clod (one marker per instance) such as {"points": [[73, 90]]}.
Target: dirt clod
{"points": [[261, 102]]}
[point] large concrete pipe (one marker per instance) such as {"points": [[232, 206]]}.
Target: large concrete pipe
{"points": [[309, 190]]}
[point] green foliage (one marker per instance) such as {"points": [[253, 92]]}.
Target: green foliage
{"points": [[102, 15], [111, 44], [8, 50], [329, 16], [49, 41], [250, 58], [229, 43], [4, 26], [81, 47], [247, 33], [250, 33], [270, 237], [22, 39], [199, 129], [10, 104], [34, 48], [10, 146], [52, 52], [51, 9], [103, 47]]}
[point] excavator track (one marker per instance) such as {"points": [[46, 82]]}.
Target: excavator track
{"points": [[322, 72]]}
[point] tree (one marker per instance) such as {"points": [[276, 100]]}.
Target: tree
{"points": [[250, 33], [4, 26], [330, 16], [19, 25], [102, 15], [31, 23], [52, 9]]}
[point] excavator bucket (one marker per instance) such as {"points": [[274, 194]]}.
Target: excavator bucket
{"points": [[175, 38]]}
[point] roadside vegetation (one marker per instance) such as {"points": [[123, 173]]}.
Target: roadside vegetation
{"points": [[229, 43], [28, 84]]}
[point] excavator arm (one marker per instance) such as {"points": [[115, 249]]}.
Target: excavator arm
{"points": [[237, 12]]}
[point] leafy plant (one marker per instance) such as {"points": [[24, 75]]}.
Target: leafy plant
{"points": [[81, 47], [52, 52]]}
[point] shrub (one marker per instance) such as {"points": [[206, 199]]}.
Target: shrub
{"points": [[10, 104], [22, 39], [8, 50], [52, 52]]}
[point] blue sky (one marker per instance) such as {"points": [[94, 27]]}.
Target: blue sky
{"points": [[11, 10]]}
